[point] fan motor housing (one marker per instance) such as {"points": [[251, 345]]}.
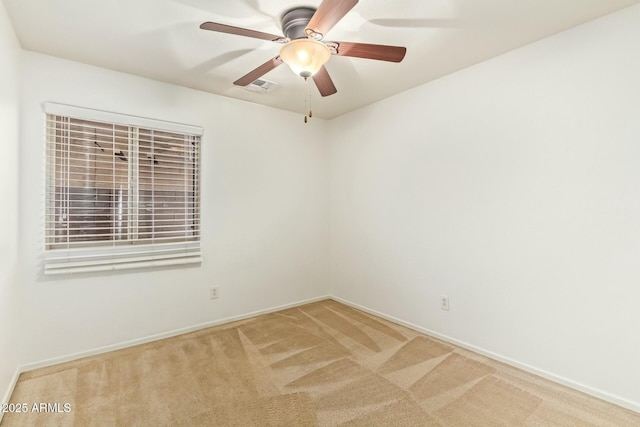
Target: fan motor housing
{"points": [[294, 22]]}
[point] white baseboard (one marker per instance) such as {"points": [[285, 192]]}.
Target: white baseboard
{"points": [[156, 337], [634, 406], [9, 391]]}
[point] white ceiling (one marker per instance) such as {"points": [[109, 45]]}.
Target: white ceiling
{"points": [[160, 39]]}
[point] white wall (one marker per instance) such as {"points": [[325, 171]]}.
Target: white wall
{"points": [[9, 85], [264, 215], [513, 187]]}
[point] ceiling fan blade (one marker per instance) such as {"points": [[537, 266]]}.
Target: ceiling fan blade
{"points": [[324, 83], [371, 51], [258, 72], [327, 15], [222, 28]]}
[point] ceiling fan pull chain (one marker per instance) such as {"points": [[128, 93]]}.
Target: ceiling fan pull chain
{"points": [[305, 108], [309, 90]]}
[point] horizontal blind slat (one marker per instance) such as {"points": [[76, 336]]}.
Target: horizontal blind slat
{"points": [[50, 270]]}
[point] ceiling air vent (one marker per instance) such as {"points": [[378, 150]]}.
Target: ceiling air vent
{"points": [[262, 86]]}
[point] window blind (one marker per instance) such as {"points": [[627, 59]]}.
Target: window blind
{"points": [[122, 191]]}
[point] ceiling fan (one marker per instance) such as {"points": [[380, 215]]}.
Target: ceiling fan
{"points": [[303, 50]]}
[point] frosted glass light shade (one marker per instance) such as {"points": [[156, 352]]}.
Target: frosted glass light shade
{"points": [[305, 57]]}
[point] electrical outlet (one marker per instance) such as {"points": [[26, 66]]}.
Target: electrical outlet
{"points": [[444, 302], [213, 292]]}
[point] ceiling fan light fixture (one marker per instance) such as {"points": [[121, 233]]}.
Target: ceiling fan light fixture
{"points": [[305, 57]]}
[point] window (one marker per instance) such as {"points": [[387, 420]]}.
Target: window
{"points": [[122, 191]]}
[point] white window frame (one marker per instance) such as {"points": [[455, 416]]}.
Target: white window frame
{"points": [[110, 257]]}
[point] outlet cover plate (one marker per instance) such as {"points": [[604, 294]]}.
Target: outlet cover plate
{"points": [[444, 302]]}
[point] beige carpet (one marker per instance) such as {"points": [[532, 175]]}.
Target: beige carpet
{"points": [[319, 364]]}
